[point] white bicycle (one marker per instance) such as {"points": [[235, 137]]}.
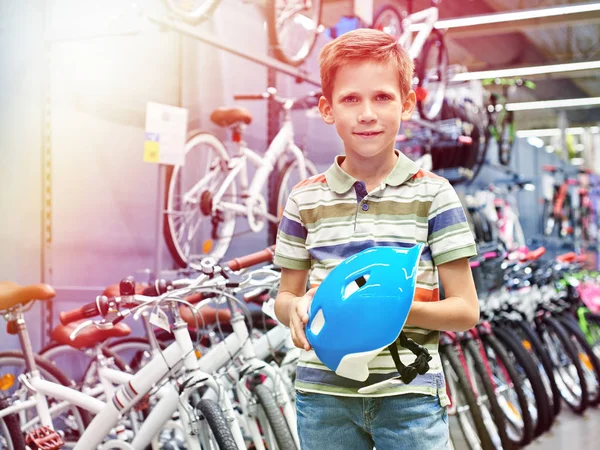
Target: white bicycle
{"points": [[293, 25], [205, 196], [427, 49]]}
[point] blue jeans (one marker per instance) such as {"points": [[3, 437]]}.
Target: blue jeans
{"points": [[407, 421]]}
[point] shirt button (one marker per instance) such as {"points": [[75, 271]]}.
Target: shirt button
{"points": [[365, 207]]}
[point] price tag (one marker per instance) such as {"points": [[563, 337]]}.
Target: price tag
{"points": [[166, 131], [159, 319]]}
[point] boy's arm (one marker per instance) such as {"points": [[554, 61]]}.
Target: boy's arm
{"points": [[459, 311], [292, 303]]}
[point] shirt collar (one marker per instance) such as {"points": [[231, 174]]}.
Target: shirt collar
{"points": [[340, 182]]}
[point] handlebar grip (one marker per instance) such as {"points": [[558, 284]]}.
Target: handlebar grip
{"points": [[250, 96], [85, 312], [252, 259]]}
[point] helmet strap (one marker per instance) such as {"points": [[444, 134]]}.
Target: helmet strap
{"points": [[420, 365]]}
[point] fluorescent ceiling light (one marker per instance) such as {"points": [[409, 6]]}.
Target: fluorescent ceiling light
{"points": [[546, 104], [551, 132], [524, 14], [525, 71]]}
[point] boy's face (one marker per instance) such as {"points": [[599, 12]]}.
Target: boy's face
{"points": [[367, 107]]}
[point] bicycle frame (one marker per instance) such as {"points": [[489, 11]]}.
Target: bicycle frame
{"points": [[424, 21], [252, 204]]}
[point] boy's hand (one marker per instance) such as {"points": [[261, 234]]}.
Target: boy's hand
{"points": [[299, 318]]}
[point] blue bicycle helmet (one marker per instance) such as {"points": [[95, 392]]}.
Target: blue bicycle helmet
{"points": [[360, 309]]}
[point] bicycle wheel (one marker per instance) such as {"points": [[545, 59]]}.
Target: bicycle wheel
{"points": [[492, 414], [568, 372], [389, 20], [134, 351], [432, 74], [293, 26], [273, 420], [589, 362], [11, 437], [217, 424], [194, 226], [509, 391], [531, 342], [193, 11], [539, 405], [463, 408], [69, 420], [280, 187]]}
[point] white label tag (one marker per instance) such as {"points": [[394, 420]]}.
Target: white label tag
{"points": [[159, 319], [268, 308]]}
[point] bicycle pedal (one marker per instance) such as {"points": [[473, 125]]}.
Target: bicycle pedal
{"points": [[44, 438]]}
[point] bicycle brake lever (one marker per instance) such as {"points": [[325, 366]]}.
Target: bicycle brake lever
{"points": [[80, 328]]}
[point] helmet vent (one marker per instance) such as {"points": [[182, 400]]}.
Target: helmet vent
{"points": [[355, 285], [317, 323]]}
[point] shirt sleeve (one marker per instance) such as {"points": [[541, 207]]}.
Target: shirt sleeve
{"points": [[290, 248], [449, 236]]}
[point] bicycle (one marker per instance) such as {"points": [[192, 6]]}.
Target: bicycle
{"points": [[205, 188], [501, 123], [293, 25], [431, 54]]}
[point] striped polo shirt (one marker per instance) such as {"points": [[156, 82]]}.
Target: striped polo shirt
{"points": [[330, 217]]}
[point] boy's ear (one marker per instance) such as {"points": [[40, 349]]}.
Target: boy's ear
{"points": [[325, 110], [409, 105]]}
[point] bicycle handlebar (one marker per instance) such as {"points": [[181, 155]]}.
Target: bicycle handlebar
{"points": [[252, 259], [262, 96]]}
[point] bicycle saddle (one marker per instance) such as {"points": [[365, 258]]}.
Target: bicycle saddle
{"points": [[88, 337], [225, 117], [12, 294]]}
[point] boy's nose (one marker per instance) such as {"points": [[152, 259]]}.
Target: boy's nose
{"points": [[367, 115]]}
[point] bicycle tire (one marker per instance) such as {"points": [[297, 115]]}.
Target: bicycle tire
{"points": [[51, 373], [432, 112], [567, 349], [217, 424], [277, 43], [460, 381], [591, 364], [508, 370], [206, 160], [275, 418], [543, 421], [191, 13], [391, 13], [471, 348], [278, 192], [506, 139], [11, 437], [538, 347]]}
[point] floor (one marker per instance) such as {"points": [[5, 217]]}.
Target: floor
{"points": [[571, 431]]}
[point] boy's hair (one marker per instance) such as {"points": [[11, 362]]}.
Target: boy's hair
{"points": [[360, 45]]}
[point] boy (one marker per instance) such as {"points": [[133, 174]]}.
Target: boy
{"points": [[373, 195]]}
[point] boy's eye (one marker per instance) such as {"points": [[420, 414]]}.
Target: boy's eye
{"points": [[350, 99], [382, 97]]}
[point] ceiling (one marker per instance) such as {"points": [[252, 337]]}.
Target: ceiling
{"points": [[529, 43]]}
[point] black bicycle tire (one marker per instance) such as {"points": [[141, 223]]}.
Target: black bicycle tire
{"points": [[275, 183], [46, 365], [447, 351], [561, 334], [436, 36], [542, 401], [500, 352], [11, 424], [572, 327], [217, 423], [472, 348], [167, 233], [275, 45], [538, 347], [275, 417]]}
